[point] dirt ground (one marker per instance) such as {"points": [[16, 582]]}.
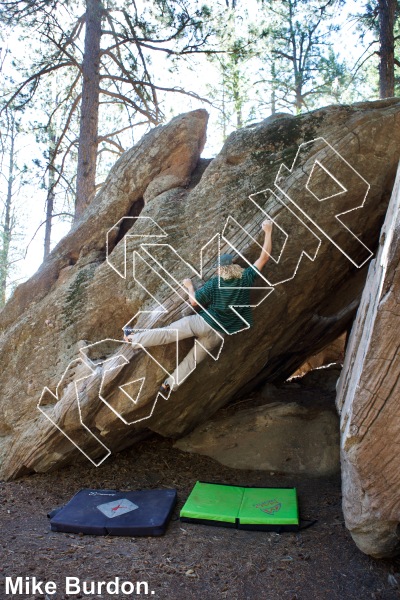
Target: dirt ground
{"points": [[191, 561]]}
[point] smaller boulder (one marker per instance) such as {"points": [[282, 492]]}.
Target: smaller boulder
{"points": [[279, 437]]}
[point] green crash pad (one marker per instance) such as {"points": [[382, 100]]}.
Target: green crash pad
{"points": [[263, 509]]}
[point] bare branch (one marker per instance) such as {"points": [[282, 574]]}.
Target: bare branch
{"points": [[63, 51], [112, 142], [283, 55], [33, 79], [62, 214], [67, 97], [159, 87], [120, 64], [126, 100], [362, 63], [121, 130], [66, 126], [365, 51]]}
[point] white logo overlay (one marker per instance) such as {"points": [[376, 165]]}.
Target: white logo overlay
{"points": [[117, 508]]}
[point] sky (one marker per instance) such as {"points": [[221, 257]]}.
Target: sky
{"points": [[31, 198]]}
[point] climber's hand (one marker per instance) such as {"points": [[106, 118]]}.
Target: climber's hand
{"points": [[267, 225]]}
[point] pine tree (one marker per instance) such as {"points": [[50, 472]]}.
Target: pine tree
{"points": [[300, 65], [115, 69], [382, 18], [12, 180], [232, 92]]}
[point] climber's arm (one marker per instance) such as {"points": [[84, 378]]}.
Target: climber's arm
{"points": [[267, 246], [189, 286]]}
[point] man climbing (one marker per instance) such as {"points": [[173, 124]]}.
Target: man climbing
{"points": [[230, 287]]}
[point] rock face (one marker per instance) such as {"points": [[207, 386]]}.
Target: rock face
{"points": [[323, 378], [62, 329], [334, 353], [288, 436], [368, 398]]}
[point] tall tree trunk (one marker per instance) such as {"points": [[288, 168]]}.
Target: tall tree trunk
{"points": [[298, 98], [225, 117], [50, 194], [88, 138], [273, 88], [237, 93], [387, 9], [7, 225]]}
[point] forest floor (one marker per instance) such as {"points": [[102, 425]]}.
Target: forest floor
{"points": [[190, 561]]}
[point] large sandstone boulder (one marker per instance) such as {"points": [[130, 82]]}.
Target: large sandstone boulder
{"points": [[368, 398], [62, 329]]}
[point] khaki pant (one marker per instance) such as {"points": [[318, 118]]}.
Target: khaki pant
{"points": [[191, 326]]}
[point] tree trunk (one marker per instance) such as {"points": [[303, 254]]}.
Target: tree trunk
{"points": [[387, 9], [88, 140], [237, 97], [273, 88], [225, 117], [298, 103], [50, 194], [7, 225]]}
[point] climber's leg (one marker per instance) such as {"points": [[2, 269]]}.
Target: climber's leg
{"points": [[208, 337], [163, 335]]}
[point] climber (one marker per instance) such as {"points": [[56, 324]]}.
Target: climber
{"points": [[231, 288]]}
